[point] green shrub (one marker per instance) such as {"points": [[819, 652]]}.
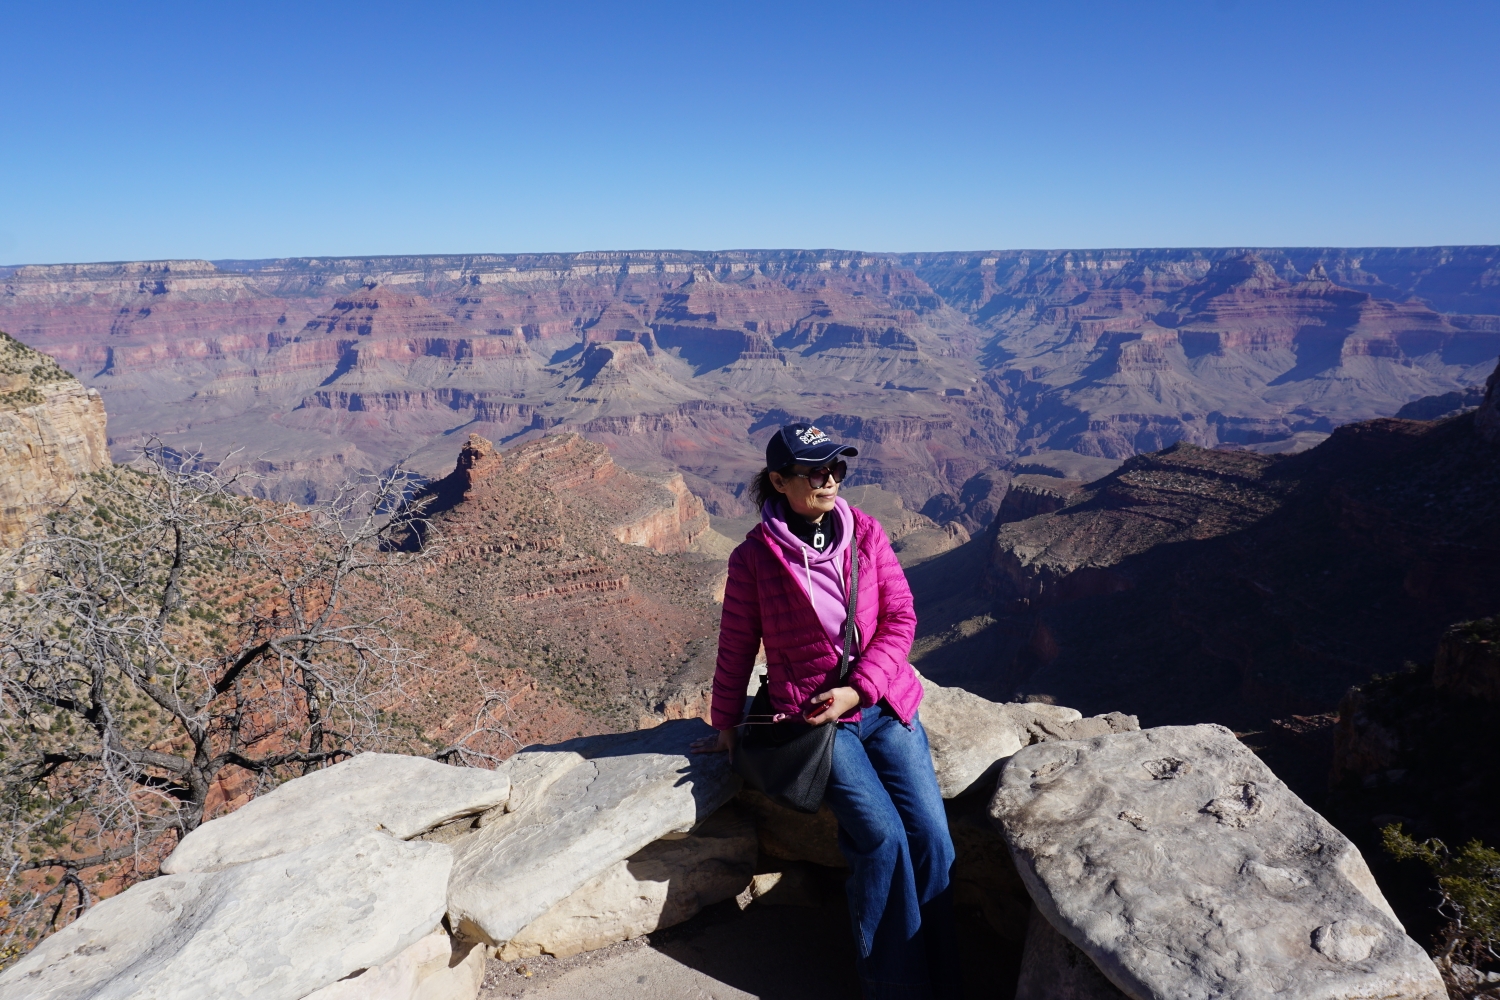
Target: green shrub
{"points": [[1468, 882]]}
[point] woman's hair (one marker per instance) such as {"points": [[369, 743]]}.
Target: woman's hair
{"points": [[762, 489]]}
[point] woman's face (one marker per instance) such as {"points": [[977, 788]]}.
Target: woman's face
{"points": [[800, 495]]}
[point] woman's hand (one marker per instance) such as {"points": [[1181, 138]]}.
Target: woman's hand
{"points": [[722, 743], [837, 703]]}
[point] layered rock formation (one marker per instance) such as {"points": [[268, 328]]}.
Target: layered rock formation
{"points": [[1030, 495], [1195, 584], [558, 563], [51, 436], [1449, 404], [1180, 494], [940, 367], [1251, 350]]}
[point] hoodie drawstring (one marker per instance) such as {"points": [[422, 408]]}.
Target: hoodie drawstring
{"points": [[807, 568]]}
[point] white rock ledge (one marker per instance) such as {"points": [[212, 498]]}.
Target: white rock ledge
{"points": [[662, 884], [428, 970], [403, 796], [274, 929], [577, 808], [1185, 869]]}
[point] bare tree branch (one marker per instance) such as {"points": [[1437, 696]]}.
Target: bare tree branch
{"points": [[165, 642]]}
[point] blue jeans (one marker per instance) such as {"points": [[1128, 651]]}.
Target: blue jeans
{"points": [[894, 834]]}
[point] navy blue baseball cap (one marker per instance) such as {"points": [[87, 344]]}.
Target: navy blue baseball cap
{"points": [[803, 444]]}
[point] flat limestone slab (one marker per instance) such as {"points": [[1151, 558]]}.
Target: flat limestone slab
{"points": [[402, 795], [274, 929], [661, 885], [575, 809], [1185, 869]]}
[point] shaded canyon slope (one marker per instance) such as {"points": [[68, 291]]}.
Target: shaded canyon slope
{"points": [[940, 367], [1201, 585], [1419, 745]]}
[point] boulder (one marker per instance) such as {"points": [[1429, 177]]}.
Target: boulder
{"points": [[576, 809], [435, 968], [274, 929], [662, 884], [1052, 968], [1184, 868], [972, 736], [404, 796]]}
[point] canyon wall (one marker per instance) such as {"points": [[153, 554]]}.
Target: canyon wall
{"points": [[1193, 583], [52, 434], [940, 367]]}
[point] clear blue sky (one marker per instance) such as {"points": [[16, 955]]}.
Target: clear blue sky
{"points": [[215, 129]]}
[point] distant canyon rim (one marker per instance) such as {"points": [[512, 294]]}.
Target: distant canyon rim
{"points": [[940, 367]]}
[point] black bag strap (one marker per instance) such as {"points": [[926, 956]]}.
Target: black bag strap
{"points": [[849, 627]]}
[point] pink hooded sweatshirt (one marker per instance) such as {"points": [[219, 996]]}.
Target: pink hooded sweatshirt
{"points": [[792, 597], [821, 572]]}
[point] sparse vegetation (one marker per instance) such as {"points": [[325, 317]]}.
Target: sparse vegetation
{"points": [[168, 646], [22, 370], [1468, 882]]}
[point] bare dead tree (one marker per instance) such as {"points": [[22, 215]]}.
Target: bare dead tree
{"points": [[487, 741], [161, 636]]}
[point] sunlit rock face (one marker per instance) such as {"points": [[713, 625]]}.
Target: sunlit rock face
{"points": [[51, 436], [1181, 866]]}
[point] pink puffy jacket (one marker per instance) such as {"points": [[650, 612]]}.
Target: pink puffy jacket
{"points": [[764, 600]]}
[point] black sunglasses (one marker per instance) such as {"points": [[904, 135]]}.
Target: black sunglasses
{"points": [[818, 478]]}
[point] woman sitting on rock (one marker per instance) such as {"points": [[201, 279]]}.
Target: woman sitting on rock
{"points": [[787, 586]]}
